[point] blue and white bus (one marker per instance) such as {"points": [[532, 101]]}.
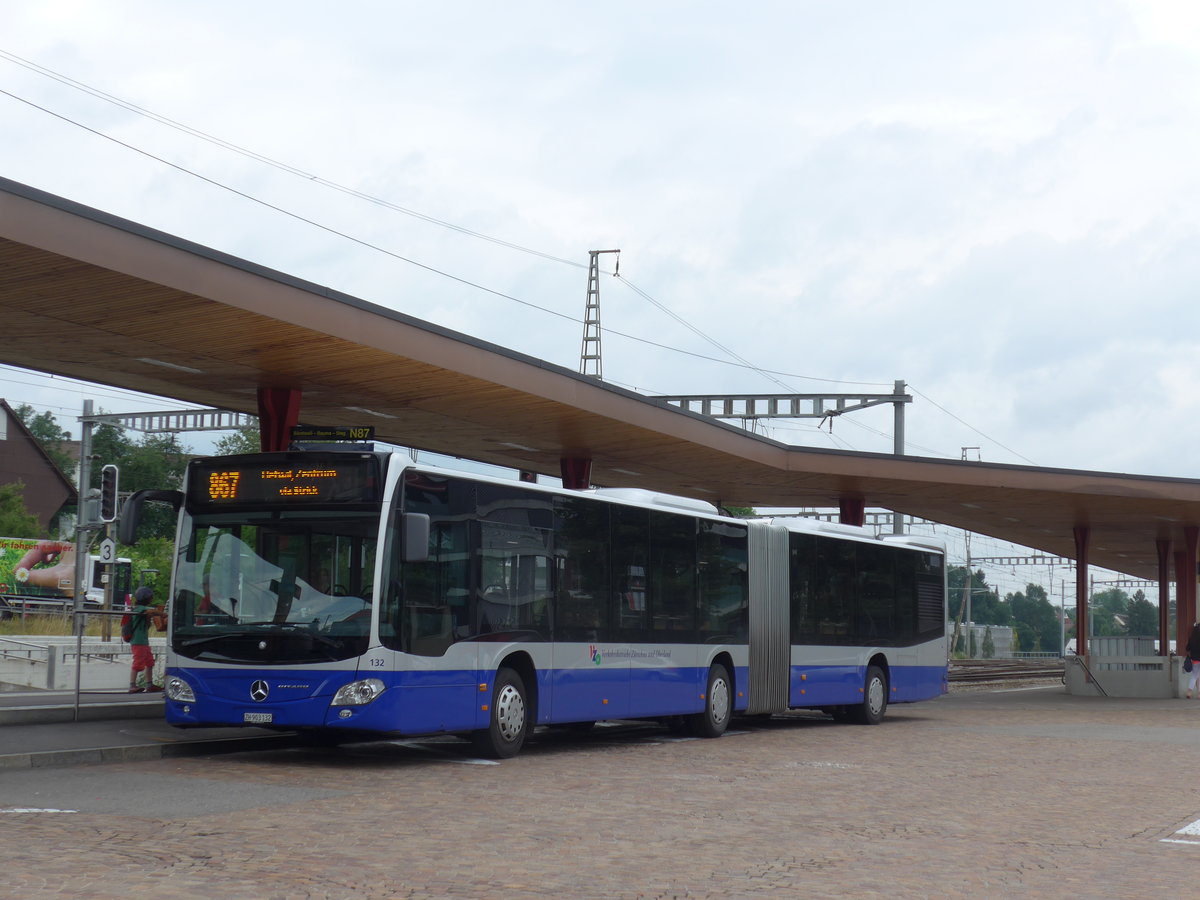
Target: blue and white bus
{"points": [[355, 593]]}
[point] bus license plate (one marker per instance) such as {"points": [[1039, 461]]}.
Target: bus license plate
{"points": [[257, 718]]}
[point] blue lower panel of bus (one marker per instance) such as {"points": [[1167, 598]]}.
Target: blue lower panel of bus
{"points": [[840, 685], [583, 695], [417, 702], [912, 683], [287, 699], [412, 703], [580, 695]]}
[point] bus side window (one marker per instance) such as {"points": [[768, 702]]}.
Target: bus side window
{"points": [[630, 561], [515, 573], [724, 597], [673, 579]]}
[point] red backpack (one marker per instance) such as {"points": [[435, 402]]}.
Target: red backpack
{"points": [[127, 624]]}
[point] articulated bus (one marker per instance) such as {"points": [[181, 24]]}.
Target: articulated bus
{"points": [[349, 594]]}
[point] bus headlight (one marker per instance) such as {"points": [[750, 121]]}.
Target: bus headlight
{"points": [[358, 693], [178, 689]]}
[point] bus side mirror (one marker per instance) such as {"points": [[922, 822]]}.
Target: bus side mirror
{"points": [[131, 511], [415, 537]]}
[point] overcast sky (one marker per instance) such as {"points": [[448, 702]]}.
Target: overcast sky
{"points": [[997, 203]]}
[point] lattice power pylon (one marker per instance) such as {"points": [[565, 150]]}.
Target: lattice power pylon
{"points": [[590, 361]]}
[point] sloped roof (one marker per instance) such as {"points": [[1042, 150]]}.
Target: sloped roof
{"points": [[47, 487], [80, 288]]}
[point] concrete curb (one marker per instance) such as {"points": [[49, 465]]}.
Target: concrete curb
{"points": [[141, 752], [92, 712]]}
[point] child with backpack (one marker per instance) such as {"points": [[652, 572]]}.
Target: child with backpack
{"points": [[139, 639]]}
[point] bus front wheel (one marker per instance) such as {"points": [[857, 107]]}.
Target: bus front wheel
{"points": [[718, 704], [874, 702], [509, 718]]}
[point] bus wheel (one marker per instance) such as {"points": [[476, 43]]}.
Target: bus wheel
{"points": [[718, 704], [505, 735], [874, 702]]}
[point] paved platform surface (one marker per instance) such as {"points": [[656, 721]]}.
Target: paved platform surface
{"points": [[1027, 792], [46, 728]]}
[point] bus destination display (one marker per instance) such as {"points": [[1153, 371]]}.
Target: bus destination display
{"points": [[283, 481]]}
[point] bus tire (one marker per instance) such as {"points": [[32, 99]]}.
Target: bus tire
{"points": [[509, 718], [718, 704], [875, 696]]}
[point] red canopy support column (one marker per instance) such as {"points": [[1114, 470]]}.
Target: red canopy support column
{"points": [[1082, 533], [1164, 596], [576, 473], [278, 412], [1185, 587], [1182, 628], [853, 511]]}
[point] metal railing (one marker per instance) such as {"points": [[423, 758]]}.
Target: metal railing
{"points": [[50, 657], [1091, 675]]}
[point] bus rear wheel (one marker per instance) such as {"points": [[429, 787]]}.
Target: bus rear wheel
{"points": [[718, 704], [874, 702], [509, 719]]}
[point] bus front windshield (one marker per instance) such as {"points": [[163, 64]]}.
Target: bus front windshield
{"points": [[275, 588]]}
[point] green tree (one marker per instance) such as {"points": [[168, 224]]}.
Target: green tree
{"points": [[51, 437], [246, 440], [156, 462], [989, 645], [986, 606], [15, 519], [150, 556], [110, 445], [1141, 617], [1107, 608], [1035, 616]]}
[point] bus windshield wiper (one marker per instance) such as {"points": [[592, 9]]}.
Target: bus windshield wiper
{"points": [[206, 639]]}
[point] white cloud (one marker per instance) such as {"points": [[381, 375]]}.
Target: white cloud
{"points": [[998, 204]]}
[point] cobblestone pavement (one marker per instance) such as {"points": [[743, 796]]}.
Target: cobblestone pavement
{"points": [[1024, 792]]}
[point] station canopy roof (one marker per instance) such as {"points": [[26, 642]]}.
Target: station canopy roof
{"points": [[90, 296]]}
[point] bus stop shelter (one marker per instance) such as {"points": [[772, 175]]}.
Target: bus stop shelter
{"points": [[79, 288]]}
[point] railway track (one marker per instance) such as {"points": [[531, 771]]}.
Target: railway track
{"points": [[973, 670]]}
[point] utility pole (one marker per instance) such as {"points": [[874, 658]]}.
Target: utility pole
{"points": [[84, 523], [898, 443], [83, 520], [966, 600], [590, 361]]}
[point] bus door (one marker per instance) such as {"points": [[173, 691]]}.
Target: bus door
{"points": [[426, 616]]}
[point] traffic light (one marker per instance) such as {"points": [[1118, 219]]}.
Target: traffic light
{"points": [[108, 494]]}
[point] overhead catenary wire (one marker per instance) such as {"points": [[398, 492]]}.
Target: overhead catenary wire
{"points": [[972, 427], [69, 384], [316, 179], [274, 163], [380, 249], [736, 360]]}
